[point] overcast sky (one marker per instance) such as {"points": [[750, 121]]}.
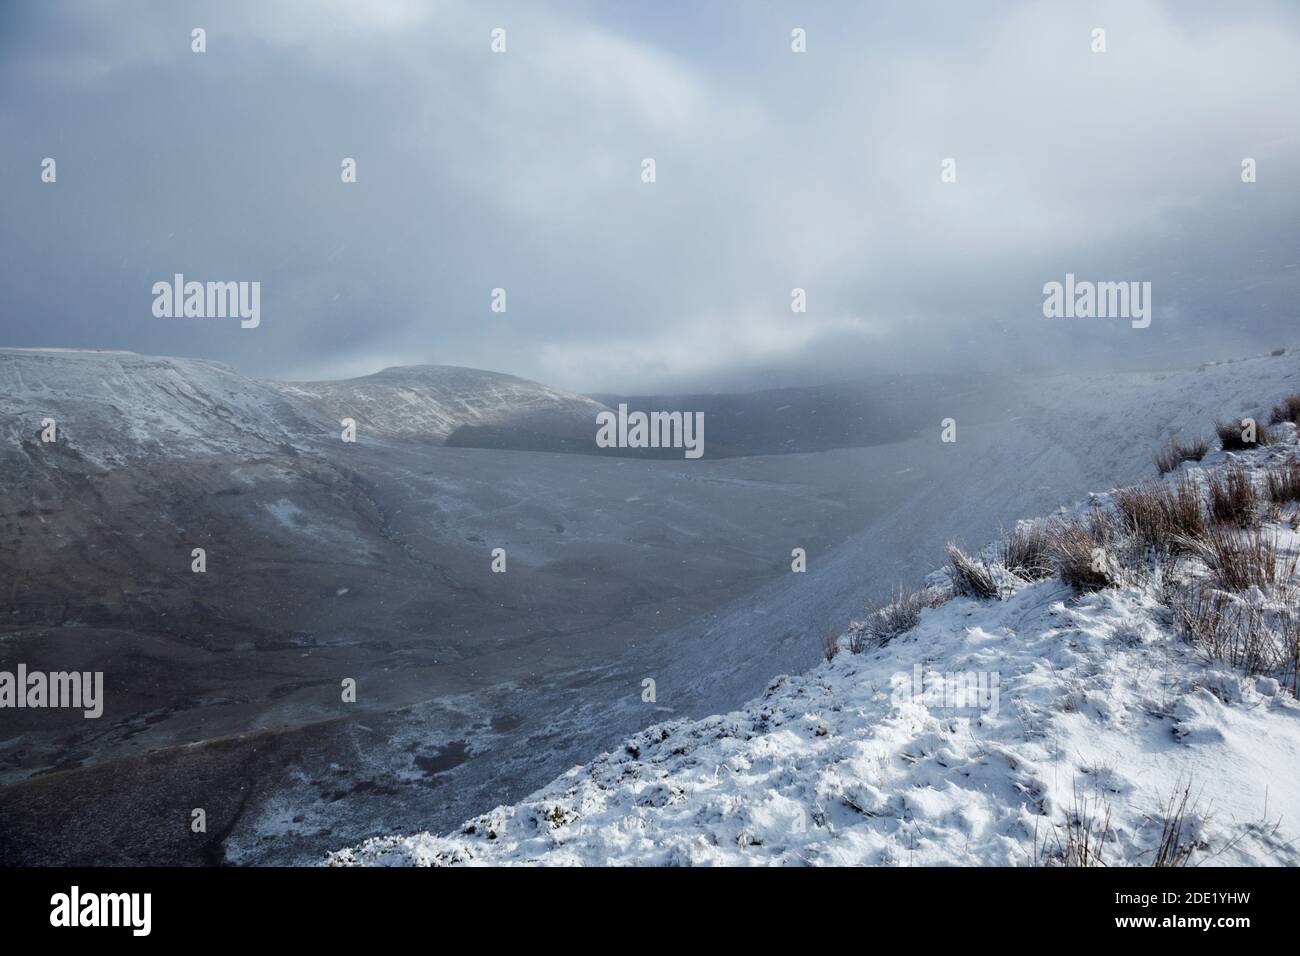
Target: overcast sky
{"points": [[775, 170]]}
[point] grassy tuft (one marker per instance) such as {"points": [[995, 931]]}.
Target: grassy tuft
{"points": [[1243, 558], [1232, 436], [1173, 850], [1177, 451], [899, 614], [970, 576], [1164, 517], [1287, 410], [1233, 498], [1027, 552], [1284, 482], [1084, 551]]}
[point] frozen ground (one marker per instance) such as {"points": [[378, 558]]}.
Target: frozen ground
{"points": [[1101, 715]]}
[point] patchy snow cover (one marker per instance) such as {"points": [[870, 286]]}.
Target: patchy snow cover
{"points": [[112, 406], [1100, 715], [115, 406], [433, 401]]}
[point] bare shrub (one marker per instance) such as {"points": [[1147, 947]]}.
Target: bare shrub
{"points": [[1230, 436], [899, 614], [1287, 410], [1084, 551], [1284, 482], [830, 646], [1177, 451], [1233, 499], [1026, 552], [970, 576]]}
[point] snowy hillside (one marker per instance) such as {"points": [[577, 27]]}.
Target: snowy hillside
{"points": [[113, 406], [1144, 717], [432, 401]]}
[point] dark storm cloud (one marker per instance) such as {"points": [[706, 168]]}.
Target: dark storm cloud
{"points": [[775, 170]]}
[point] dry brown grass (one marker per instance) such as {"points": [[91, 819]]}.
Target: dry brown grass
{"points": [[1084, 551], [971, 576], [1233, 498], [1254, 639], [1173, 850], [1287, 410], [1241, 558], [1225, 629], [1177, 451], [897, 615], [1027, 552], [1143, 508], [1284, 482], [1185, 512], [1162, 516], [1086, 831], [1231, 436]]}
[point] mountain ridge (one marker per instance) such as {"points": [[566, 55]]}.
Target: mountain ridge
{"points": [[114, 405]]}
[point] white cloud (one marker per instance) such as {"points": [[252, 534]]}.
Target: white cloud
{"points": [[521, 170], [697, 348]]}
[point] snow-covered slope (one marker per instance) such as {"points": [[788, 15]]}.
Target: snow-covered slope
{"points": [[433, 401], [1103, 715], [111, 406], [114, 406]]}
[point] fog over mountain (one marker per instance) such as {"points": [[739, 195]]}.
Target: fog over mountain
{"points": [[521, 171]]}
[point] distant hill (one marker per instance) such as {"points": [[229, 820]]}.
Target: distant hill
{"points": [[451, 405]]}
